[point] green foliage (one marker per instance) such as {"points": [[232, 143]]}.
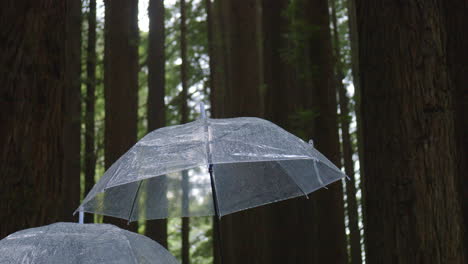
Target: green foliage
{"points": [[142, 85], [197, 55], [301, 119], [200, 239]]}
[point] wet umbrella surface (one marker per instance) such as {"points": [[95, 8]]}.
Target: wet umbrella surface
{"points": [[63, 243], [167, 173]]}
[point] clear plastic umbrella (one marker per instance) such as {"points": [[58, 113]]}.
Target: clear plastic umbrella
{"points": [[209, 167], [81, 244]]}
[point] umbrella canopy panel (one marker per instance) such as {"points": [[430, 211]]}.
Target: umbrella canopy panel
{"points": [[166, 173], [81, 243]]}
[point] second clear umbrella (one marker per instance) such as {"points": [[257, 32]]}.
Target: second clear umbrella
{"points": [[71, 243]]}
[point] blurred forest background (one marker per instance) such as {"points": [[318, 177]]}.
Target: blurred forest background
{"points": [[379, 85]]}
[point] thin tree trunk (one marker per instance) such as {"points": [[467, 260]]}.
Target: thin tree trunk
{"points": [[32, 87], [348, 151], [352, 207], [328, 226], [72, 112], [353, 39], [212, 97], [184, 119], [156, 229], [413, 215], [209, 29], [91, 58], [456, 24], [121, 83]]}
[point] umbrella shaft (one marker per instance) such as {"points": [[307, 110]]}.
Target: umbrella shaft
{"points": [[81, 217], [217, 217], [213, 191]]}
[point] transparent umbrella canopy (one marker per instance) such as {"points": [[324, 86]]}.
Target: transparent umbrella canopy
{"points": [[209, 167], [81, 244]]}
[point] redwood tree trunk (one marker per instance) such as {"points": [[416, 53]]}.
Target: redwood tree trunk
{"points": [[328, 225], [156, 229], [32, 87], [209, 29], [457, 52], [184, 119], [72, 112], [120, 83], [353, 39], [91, 58], [413, 215], [242, 50], [218, 59], [287, 220], [347, 147], [239, 27]]}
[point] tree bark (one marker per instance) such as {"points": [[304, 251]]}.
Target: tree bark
{"points": [[353, 39], [184, 119], [156, 229], [328, 227], [209, 29], [218, 69], [239, 29], [32, 89], [412, 213], [121, 83], [352, 205], [91, 58], [286, 220], [251, 37], [347, 147], [242, 51], [457, 53], [210, 22], [72, 112], [278, 82]]}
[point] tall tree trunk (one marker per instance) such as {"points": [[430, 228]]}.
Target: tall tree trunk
{"points": [[209, 29], [32, 88], [121, 83], [348, 151], [242, 49], [210, 22], [347, 147], [328, 227], [286, 220], [238, 28], [184, 119], [72, 112], [457, 52], [218, 59], [278, 83], [156, 229], [91, 58], [248, 236], [412, 213], [353, 39]]}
